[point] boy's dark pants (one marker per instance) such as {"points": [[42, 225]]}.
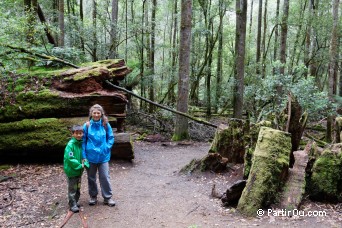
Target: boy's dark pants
{"points": [[74, 187]]}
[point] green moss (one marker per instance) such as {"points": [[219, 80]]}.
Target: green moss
{"points": [[326, 178], [268, 171], [33, 134], [181, 136]]}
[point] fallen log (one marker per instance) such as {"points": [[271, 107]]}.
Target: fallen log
{"points": [[268, 172], [45, 139], [295, 185]]}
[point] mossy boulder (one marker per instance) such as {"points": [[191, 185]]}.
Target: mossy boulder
{"points": [[325, 183], [269, 171]]}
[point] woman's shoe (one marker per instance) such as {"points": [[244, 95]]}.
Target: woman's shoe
{"points": [[109, 202], [92, 201]]}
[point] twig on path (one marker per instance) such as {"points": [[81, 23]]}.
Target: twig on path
{"points": [[70, 214], [193, 210]]}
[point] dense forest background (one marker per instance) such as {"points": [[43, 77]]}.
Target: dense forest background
{"points": [[238, 58]]}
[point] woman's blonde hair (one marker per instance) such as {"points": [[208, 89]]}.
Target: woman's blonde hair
{"points": [[103, 115]]}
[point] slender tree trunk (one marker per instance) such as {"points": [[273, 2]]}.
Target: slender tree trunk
{"points": [[276, 35], [81, 35], [332, 65], [218, 92], [181, 128], [308, 38], [313, 68], [172, 95], [142, 61], [152, 53], [263, 43], [61, 23], [240, 39], [283, 37], [114, 24], [258, 45], [251, 18], [94, 50]]}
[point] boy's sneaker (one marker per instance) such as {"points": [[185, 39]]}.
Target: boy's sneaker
{"points": [[92, 201], [109, 202], [74, 209]]}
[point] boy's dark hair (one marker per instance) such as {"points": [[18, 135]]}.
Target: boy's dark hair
{"points": [[76, 128]]}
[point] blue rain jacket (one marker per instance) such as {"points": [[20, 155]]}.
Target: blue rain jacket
{"points": [[97, 142]]}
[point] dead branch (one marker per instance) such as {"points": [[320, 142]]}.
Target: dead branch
{"points": [[161, 106]]}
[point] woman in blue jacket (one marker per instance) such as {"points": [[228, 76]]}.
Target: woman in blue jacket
{"points": [[98, 140]]}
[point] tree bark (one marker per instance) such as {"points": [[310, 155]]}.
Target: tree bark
{"points": [[61, 23], [240, 39], [181, 128], [332, 65], [258, 44]]}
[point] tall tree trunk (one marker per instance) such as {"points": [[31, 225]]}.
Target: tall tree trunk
{"points": [[283, 36], [181, 128], [172, 95], [258, 45], [94, 50], [308, 38], [240, 39], [152, 51], [332, 65], [113, 33], [263, 43], [276, 35], [142, 60], [313, 68], [218, 91], [61, 23], [251, 18], [81, 35]]}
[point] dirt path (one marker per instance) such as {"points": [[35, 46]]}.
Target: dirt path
{"points": [[149, 192]]}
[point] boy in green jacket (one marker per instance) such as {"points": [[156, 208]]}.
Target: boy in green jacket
{"points": [[73, 166]]}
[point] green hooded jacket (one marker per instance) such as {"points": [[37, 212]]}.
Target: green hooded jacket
{"points": [[73, 158]]}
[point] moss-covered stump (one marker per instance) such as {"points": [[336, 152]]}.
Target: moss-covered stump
{"points": [[229, 141], [251, 141], [46, 138], [63, 93], [211, 162], [325, 183], [268, 172]]}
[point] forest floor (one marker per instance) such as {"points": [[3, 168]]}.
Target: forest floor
{"points": [[149, 192]]}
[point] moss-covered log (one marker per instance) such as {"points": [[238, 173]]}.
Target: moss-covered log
{"points": [[325, 182], [46, 139], [229, 141], [268, 172], [63, 93]]}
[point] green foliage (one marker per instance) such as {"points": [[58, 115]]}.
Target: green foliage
{"points": [[261, 96]]}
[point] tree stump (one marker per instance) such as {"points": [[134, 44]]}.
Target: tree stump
{"points": [[268, 172], [229, 141]]}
